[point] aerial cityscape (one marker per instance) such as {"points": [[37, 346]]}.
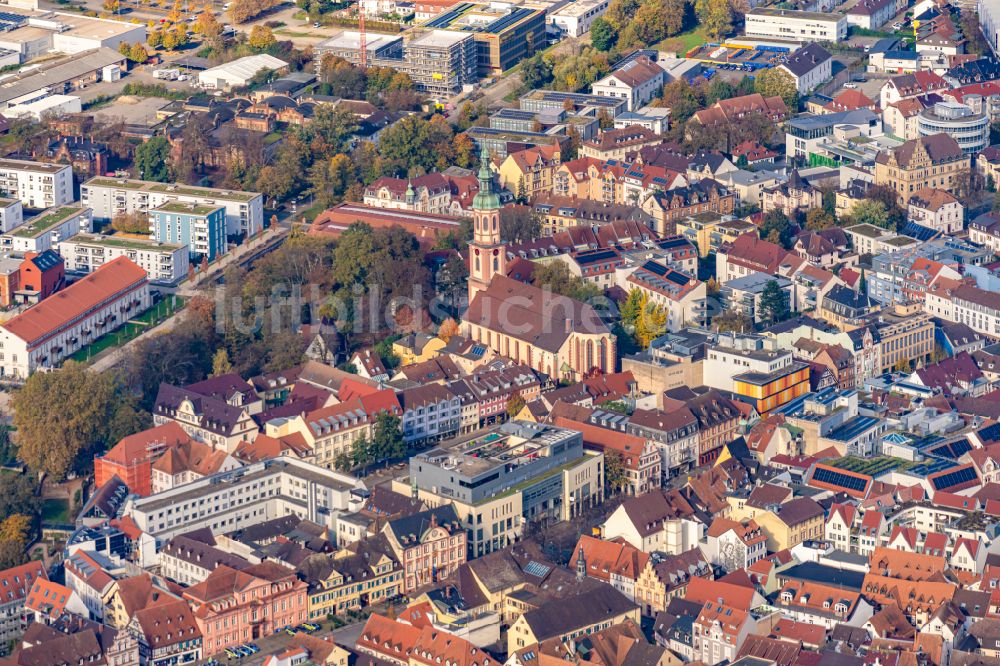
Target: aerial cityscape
{"points": [[499, 333]]}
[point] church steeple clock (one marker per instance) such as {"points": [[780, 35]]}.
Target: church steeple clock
{"points": [[487, 254]]}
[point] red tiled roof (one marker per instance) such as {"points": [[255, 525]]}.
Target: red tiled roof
{"points": [[17, 581], [75, 301]]}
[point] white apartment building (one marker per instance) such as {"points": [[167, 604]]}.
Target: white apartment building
{"points": [[11, 214], [163, 262], [36, 184], [637, 81], [989, 21], [46, 333], [239, 498], [47, 229], [796, 25], [110, 196], [735, 354], [977, 308], [936, 209], [575, 18]]}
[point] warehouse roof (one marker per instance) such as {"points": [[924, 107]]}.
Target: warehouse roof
{"points": [[57, 72]]}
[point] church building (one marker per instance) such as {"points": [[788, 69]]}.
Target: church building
{"points": [[554, 334]]}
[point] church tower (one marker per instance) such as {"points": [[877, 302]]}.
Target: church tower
{"points": [[487, 254]]}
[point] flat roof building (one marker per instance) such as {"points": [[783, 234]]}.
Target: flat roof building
{"points": [[165, 263], [61, 76], [109, 197], [47, 229], [796, 25], [517, 472], [268, 489], [37, 184]]}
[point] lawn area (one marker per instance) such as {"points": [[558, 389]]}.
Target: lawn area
{"points": [[684, 42], [136, 327], [55, 512]]}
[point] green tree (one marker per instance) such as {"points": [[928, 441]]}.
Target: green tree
{"points": [[872, 212], [862, 283], [776, 82], [536, 72], [602, 34], [555, 276], [151, 160], [361, 454], [773, 304], [777, 228], [631, 309], [387, 438]]}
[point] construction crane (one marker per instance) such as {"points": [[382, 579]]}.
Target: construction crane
{"points": [[362, 37]]}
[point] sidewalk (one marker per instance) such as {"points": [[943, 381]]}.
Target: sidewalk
{"points": [[111, 357]]}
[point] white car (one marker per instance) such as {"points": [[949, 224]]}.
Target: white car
{"points": [[852, 86]]}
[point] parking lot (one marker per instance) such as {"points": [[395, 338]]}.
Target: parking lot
{"points": [[267, 646], [740, 59]]}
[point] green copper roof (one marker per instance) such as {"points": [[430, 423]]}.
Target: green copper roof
{"points": [[487, 198]]}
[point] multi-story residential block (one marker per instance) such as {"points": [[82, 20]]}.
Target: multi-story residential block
{"points": [[430, 193], [429, 544], [791, 196], [871, 14], [614, 144], [906, 334], [674, 433], [796, 25], [613, 562], [199, 227], [824, 605], [232, 607], [269, 489], [663, 578], [489, 393], [911, 86], [744, 294], [520, 471], [215, 411], [808, 134], [788, 524], [36, 184], [594, 609], [430, 413], [188, 561], [11, 214], [681, 296], [661, 520], [638, 81], [669, 207], [735, 544], [329, 432], [163, 262], [16, 582], [869, 239], [47, 229], [934, 162], [936, 209], [46, 333], [364, 573], [86, 577], [167, 633], [108, 197], [529, 172]]}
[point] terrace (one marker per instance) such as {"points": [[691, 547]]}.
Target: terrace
{"points": [[200, 210], [125, 243], [42, 223], [172, 188]]}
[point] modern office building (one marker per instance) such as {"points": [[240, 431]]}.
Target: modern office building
{"points": [[796, 25], [504, 34], [48, 229], [546, 100], [36, 184], [518, 472], [440, 62], [575, 18], [201, 227], [45, 334], [755, 370], [247, 496], [163, 262], [970, 129], [111, 196]]}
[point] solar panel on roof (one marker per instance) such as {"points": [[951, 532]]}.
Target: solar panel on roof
{"points": [[656, 268], [677, 278], [538, 569], [952, 479], [833, 477]]}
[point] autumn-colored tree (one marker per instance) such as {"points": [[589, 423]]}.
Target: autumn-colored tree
{"points": [[261, 38], [15, 528], [514, 405], [775, 82], [208, 25], [220, 363], [155, 38], [138, 53], [448, 329], [135, 222], [111, 6], [819, 219]]}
